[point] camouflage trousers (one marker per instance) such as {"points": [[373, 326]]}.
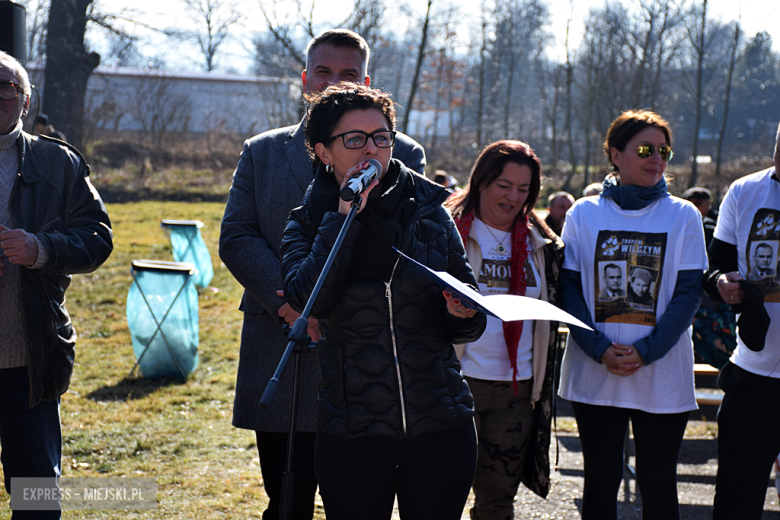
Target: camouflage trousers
{"points": [[504, 423]]}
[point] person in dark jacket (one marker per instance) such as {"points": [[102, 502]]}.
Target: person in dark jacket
{"points": [[271, 178], [394, 416], [52, 225]]}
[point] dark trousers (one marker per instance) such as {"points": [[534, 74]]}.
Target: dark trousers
{"points": [[432, 475], [748, 442], [31, 439], [273, 460], [657, 440]]}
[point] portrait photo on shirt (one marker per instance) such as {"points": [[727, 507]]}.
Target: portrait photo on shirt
{"points": [[762, 259], [612, 280], [762, 249], [641, 287], [628, 267]]}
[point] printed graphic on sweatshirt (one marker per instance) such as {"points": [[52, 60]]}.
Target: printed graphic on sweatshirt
{"points": [[762, 253], [628, 267], [497, 274]]}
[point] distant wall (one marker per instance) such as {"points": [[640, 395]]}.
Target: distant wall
{"points": [[149, 100]]}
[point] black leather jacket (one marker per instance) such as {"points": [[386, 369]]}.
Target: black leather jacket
{"points": [[53, 199], [387, 364]]}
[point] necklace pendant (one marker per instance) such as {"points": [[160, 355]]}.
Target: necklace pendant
{"points": [[501, 249]]}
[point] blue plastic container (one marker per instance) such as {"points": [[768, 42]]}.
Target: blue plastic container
{"points": [[163, 293], [188, 246]]}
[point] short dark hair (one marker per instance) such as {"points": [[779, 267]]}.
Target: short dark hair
{"points": [[42, 119], [340, 38], [763, 245], [613, 266], [627, 125], [326, 108], [488, 168], [558, 194], [697, 193], [440, 177]]}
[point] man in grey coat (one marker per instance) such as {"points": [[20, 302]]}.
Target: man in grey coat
{"points": [[270, 180]]}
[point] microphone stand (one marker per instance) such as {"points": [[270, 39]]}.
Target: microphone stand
{"points": [[300, 343]]}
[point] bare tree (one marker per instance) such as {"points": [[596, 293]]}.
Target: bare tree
{"points": [[214, 19], [366, 19], [103, 109], [420, 57], [520, 38], [68, 66], [123, 51], [569, 124], [483, 65], [273, 59], [698, 36], [282, 33], [159, 109], [726, 104], [651, 39], [551, 81], [37, 18], [290, 33]]}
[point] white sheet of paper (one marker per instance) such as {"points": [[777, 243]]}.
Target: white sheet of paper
{"points": [[509, 307]]}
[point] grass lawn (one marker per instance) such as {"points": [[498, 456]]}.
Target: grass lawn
{"points": [[176, 432]]}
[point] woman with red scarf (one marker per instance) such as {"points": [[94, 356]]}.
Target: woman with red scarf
{"points": [[510, 368]]}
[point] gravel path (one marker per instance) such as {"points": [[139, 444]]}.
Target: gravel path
{"points": [[696, 472]]}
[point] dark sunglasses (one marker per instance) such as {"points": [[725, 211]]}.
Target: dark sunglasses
{"points": [[9, 90], [646, 150]]}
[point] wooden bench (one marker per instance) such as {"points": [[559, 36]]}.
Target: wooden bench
{"points": [[707, 397]]}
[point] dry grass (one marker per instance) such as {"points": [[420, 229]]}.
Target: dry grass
{"points": [[177, 432]]}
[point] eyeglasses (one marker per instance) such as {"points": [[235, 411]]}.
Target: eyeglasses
{"points": [[357, 139], [9, 90], [646, 150]]}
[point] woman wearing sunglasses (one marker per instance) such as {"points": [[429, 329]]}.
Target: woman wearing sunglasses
{"points": [[394, 415], [638, 363]]}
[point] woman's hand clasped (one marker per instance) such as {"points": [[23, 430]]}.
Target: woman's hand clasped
{"points": [[456, 307], [622, 360], [345, 205]]}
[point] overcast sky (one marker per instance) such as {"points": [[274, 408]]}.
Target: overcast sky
{"points": [[756, 16]]}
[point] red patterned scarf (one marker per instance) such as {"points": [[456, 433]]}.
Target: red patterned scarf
{"points": [[512, 329]]}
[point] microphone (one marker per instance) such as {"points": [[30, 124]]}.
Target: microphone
{"points": [[360, 181]]}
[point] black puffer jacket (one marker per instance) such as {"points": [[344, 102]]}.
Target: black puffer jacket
{"points": [[387, 365]]}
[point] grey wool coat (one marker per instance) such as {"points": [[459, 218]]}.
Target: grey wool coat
{"points": [[270, 180]]}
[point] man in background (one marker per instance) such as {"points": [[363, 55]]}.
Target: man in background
{"points": [[558, 204], [274, 171], [702, 199], [41, 126]]}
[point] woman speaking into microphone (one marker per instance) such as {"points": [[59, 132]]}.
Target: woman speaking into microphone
{"points": [[394, 415]]}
